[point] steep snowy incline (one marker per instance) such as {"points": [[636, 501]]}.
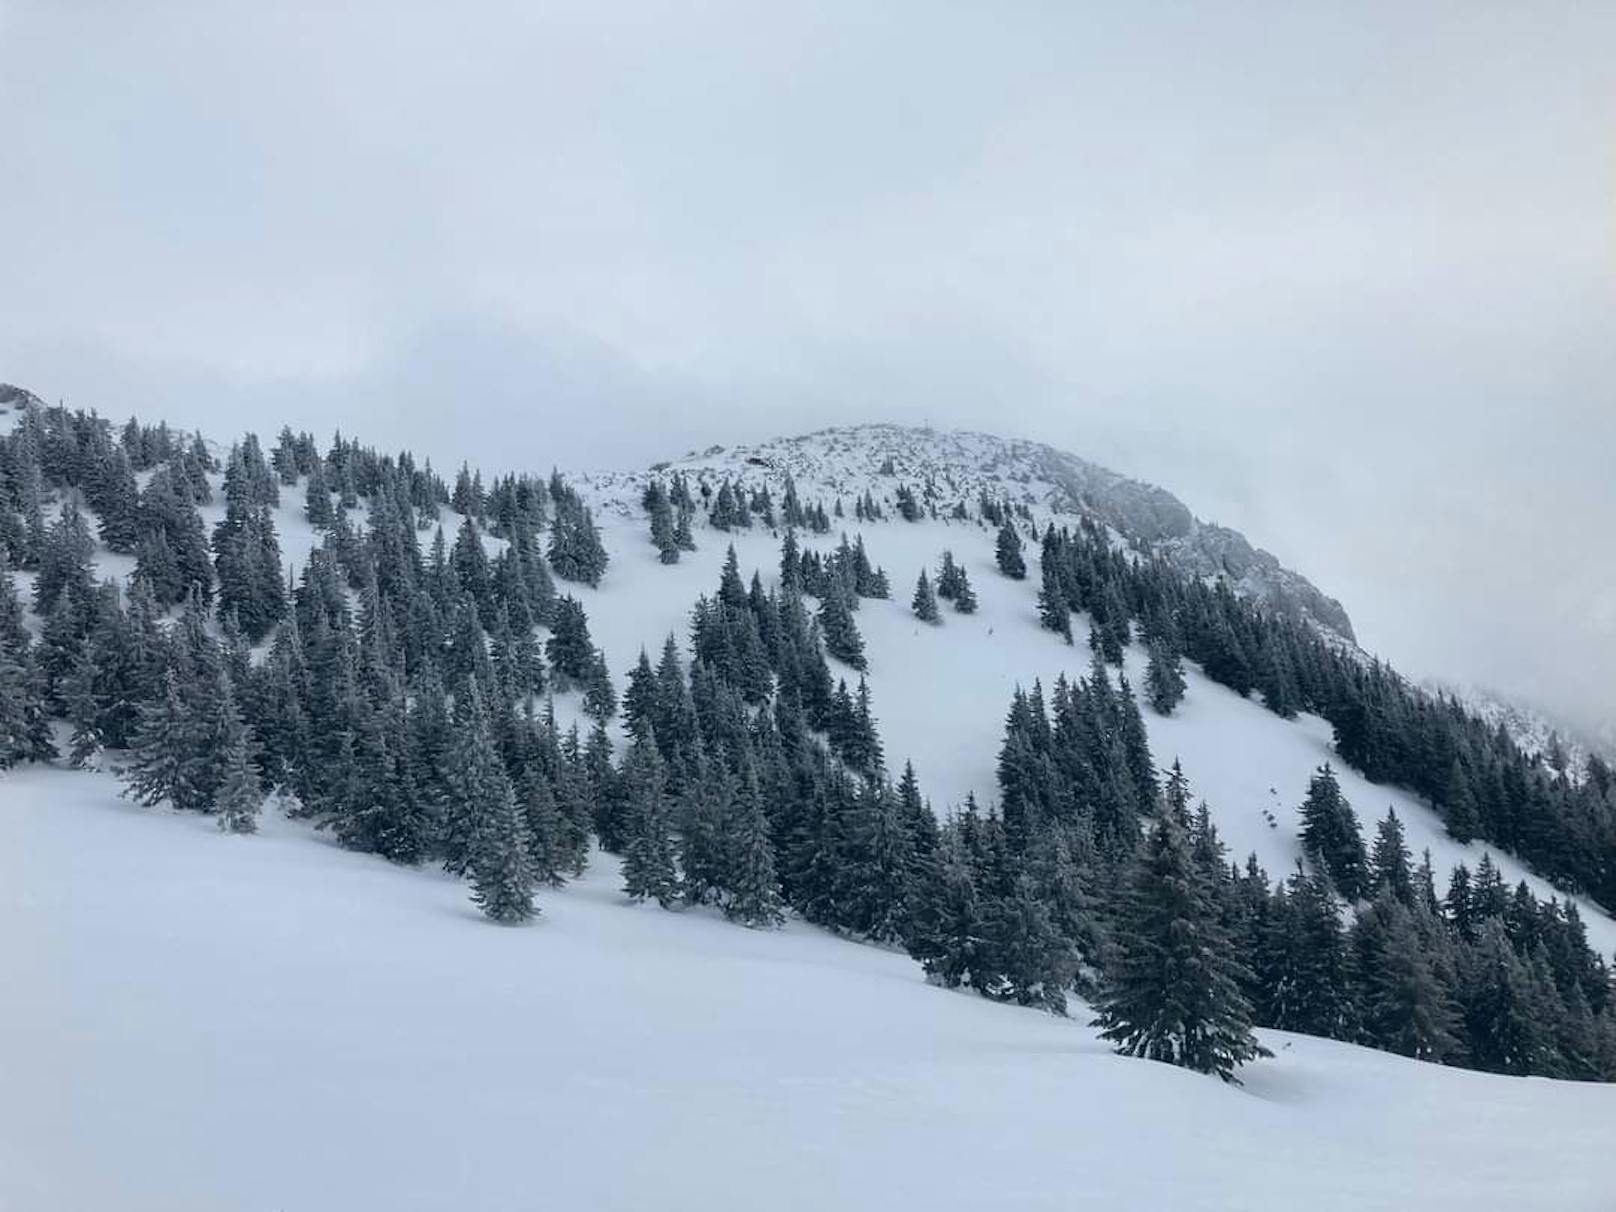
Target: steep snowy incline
{"points": [[217, 1022], [941, 693]]}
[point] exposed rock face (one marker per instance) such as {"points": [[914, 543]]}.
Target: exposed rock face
{"points": [[16, 397], [1157, 520]]}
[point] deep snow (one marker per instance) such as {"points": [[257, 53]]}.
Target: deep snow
{"points": [[202, 1021]]}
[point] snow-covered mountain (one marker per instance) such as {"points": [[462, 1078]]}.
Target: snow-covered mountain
{"points": [[1533, 728], [954, 465], [210, 1021]]}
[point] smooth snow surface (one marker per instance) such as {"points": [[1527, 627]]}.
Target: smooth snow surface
{"points": [[201, 1021]]}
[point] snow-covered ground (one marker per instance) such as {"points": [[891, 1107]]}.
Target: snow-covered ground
{"points": [[200, 1021], [941, 693], [211, 1022]]}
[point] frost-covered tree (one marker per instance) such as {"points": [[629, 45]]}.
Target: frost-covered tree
{"points": [[924, 603], [1054, 614], [167, 752], [1172, 989], [240, 795], [649, 871], [497, 856], [1007, 550], [752, 892], [1164, 678], [569, 649], [1331, 837], [1389, 860], [841, 633]]}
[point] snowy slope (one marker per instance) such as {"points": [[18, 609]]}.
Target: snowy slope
{"points": [[272, 1022], [941, 693], [959, 465], [213, 1022]]}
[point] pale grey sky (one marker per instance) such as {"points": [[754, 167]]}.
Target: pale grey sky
{"points": [[1342, 276]]}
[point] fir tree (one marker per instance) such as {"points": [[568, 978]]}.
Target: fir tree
{"points": [[502, 873], [1007, 551], [1389, 869], [964, 595], [1053, 612], [569, 649], [1331, 837], [1164, 678], [240, 796], [648, 863], [489, 830], [924, 603], [1458, 804], [1302, 961], [1404, 1006], [600, 699], [166, 752], [842, 638], [664, 534], [947, 936], [24, 716], [752, 889], [1172, 989]]}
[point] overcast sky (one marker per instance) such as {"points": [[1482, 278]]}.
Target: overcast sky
{"points": [[1344, 278]]}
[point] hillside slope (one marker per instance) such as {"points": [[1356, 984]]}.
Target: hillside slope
{"points": [[198, 1021], [940, 693]]}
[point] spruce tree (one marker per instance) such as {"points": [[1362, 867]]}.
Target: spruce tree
{"points": [[948, 933], [502, 874], [1032, 964], [24, 715], [166, 753], [1302, 961], [924, 603], [600, 699], [1007, 550], [752, 889], [1172, 989], [1331, 837], [240, 795], [964, 595], [841, 634], [490, 826], [1458, 804], [648, 863], [569, 649], [1164, 678], [64, 564], [1389, 869], [664, 532], [1053, 612], [1403, 1004]]}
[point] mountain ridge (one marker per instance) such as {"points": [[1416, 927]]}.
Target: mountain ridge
{"points": [[1147, 517]]}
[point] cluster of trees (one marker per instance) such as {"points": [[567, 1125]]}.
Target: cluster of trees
{"points": [[953, 585], [1186, 951], [403, 703], [1475, 775], [670, 508]]}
